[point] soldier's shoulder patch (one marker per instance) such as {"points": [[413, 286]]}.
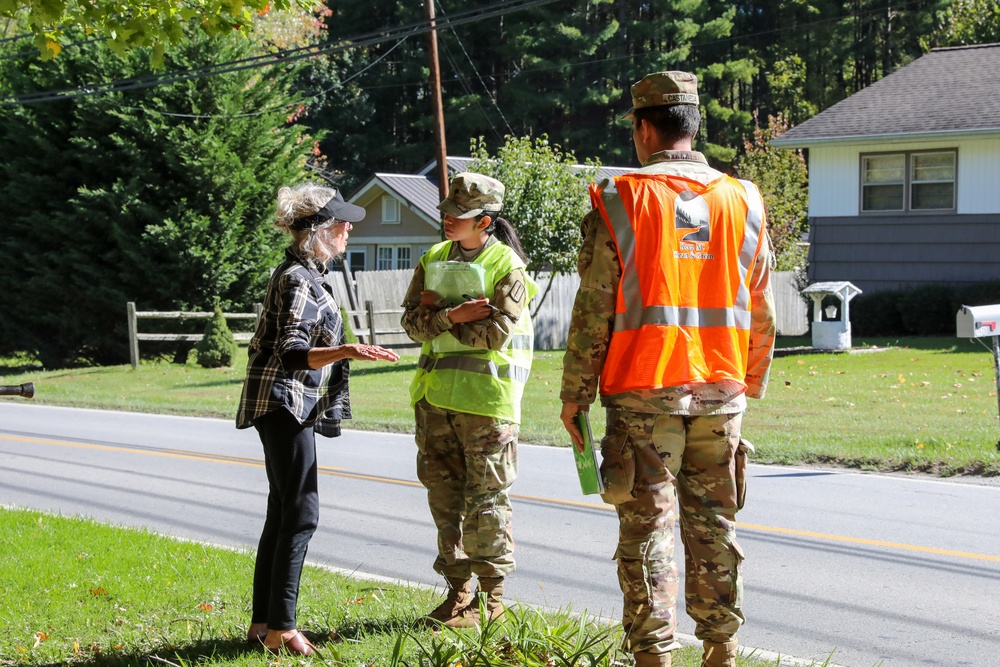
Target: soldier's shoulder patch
{"points": [[517, 291]]}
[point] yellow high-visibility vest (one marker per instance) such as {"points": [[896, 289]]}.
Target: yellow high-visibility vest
{"points": [[474, 380]]}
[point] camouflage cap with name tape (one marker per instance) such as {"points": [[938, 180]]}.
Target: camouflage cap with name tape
{"points": [[471, 194], [663, 89]]}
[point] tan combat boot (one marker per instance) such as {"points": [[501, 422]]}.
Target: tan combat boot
{"points": [[719, 654], [490, 591], [644, 659], [459, 597]]}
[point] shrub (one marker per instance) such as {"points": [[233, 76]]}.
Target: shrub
{"points": [[217, 348], [926, 310], [976, 294], [876, 314]]}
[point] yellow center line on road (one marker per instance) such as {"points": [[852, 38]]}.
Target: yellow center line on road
{"points": [[170, 453], [874, 543], [340, 472]]}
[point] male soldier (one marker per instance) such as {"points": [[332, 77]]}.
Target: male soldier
{"points": [[675, 319]]}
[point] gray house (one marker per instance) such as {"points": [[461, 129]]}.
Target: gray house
{"points": [[402, 219], [904, 176]]}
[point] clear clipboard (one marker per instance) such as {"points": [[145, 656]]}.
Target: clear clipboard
{"points": [[453, 279]]}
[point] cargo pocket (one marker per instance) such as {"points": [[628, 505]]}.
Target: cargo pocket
{"points": [[742, 452], [633, 573], [493, 534], [736, 583], [617, 468]]}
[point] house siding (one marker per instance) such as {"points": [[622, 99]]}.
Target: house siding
{"points": [[412, 229], [890, 252], [835, 178], [979, 174]]}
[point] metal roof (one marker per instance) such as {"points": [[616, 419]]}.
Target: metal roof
{"points": [[420, 191]]}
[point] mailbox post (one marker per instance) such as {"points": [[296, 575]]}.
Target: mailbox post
{"points": [[979, 322]]}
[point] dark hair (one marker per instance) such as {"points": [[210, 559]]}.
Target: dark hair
{"points": [[504, 231], [673, 122]]}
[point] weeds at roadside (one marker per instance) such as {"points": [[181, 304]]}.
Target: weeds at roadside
{"points": [[522, 637]]}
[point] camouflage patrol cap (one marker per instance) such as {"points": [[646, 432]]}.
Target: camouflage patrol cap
{"points": [[471, 194], [663, 89]]}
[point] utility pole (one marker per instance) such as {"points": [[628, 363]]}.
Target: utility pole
{"points": [[438, 106]]}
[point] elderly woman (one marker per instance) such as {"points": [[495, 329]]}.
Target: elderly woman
{"points": [[296, 386]]}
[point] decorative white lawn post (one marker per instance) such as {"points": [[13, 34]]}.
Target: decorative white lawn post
{"points": [[831, 334]]}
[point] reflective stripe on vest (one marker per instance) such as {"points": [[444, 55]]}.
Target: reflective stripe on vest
{"points": [[751, 240], [473, 364]]}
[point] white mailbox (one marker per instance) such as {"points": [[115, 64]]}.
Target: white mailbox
{"points": [[982, 322], [978, 321]]}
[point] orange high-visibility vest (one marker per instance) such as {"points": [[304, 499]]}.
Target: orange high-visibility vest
{"points": [[686, 250]]}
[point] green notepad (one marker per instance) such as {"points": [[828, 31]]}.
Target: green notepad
{"points": [[587, 466]]}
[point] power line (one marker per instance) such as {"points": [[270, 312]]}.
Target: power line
{"points": [[282, 57], [279, 107], [721, 40], [478, 76], [372, 38], [16, 38]]}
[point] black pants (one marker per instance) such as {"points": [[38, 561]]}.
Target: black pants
{"points": [[292, 517]]}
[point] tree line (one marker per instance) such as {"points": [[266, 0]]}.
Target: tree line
{"points": [[160, 189]]}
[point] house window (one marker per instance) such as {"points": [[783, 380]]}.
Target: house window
{"points": [[393, 257], [916, 181], [932, 181], [390, 210], [883, 182], [356, 259]]}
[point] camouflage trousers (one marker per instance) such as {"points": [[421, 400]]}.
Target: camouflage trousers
{"points": [[689, 466], [467, 463]]}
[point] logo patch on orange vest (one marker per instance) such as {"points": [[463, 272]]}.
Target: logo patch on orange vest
{"points": [[691, 226]]}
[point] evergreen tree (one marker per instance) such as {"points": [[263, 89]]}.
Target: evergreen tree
{"points": [[217, 347], [377, 103], [162, 196]]}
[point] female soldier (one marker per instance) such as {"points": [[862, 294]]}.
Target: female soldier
{"points": [[476, 356]]}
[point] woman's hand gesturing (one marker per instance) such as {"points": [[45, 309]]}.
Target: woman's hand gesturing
{"points": [[369, 352]]}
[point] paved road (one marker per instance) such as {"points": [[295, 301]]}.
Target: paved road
{"points": [[873, 568]]}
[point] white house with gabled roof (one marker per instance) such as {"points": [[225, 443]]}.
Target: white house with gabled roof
{"points": [[904, 176]]}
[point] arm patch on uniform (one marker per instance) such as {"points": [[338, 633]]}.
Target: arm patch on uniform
{"points": [[517, 291]]}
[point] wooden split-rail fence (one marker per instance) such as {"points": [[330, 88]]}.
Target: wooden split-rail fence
{"points": [[373, 297], [366, 332]]}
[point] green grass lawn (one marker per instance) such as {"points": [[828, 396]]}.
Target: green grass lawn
{"points": [[916, 404], [77, 592]]}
